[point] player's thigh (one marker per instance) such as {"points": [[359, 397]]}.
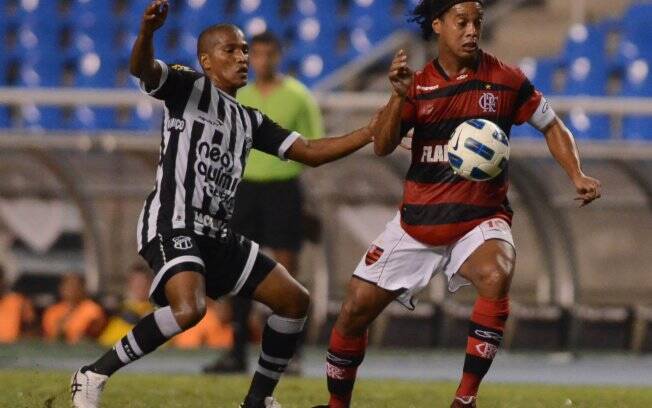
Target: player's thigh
{"points": [[170, 254], [491, 264], [363, 303], [282, 293]]}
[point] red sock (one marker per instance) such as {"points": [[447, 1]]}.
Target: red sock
{"points": [[345, 354], [485, 334]]}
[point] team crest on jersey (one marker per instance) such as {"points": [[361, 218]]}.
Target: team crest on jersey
{"points": [[373, 255], [179, 67], [488, 102], [182, 242]]}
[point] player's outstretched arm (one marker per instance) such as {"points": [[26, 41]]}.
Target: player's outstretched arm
{"points": [[314, 153], [387, 129], [142, 64], [563, 148]]}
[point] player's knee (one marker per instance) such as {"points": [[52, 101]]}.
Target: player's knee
{"points": [[301, 303], [188, 314], [494, 276], [352, 315], [296, 304]]}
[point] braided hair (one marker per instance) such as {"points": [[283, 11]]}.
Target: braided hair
{"points": [[428, 10]]}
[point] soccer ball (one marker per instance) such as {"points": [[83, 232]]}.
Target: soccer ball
{"points": [[478, 150]]}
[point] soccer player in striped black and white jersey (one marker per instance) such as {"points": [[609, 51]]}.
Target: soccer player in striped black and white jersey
{"points": [[446, 223], [183, 229]]}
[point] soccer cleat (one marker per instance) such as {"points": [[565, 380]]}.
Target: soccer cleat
{"points": [[464, 402], [269, 402], [86, 388]]}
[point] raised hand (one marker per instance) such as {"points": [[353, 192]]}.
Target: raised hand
{"points": [[588, 189], [400, 75], [154, 16]]}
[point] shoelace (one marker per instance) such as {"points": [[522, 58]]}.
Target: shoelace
{"points": [[75, 387]]}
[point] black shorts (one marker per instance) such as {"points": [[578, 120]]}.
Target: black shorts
{"points": [[230, 265], [270, 213]]}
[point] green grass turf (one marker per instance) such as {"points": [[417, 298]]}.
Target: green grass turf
{"points": [[33, 389]]}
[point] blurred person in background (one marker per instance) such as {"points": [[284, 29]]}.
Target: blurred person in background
{"points": [[135, 305], [184, 228], [446, 223], [76, 316], [17, 316], [267, 179], [213, 331]]}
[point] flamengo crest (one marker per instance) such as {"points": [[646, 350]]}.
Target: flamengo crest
{"points": [[488, 102]]}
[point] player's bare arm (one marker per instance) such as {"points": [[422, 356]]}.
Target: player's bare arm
{"points": [[314, 153], [563, 148], [142, 64], [387, 130]]}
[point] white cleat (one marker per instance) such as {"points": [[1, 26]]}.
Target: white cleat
{"points": [[270, 402], [86, 388]]}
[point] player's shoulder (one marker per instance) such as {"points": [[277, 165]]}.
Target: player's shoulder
{"points": [[508, 73], [185, 70]]}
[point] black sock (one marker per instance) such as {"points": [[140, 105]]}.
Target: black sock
{"points": [[280, 338], [148, 334]]}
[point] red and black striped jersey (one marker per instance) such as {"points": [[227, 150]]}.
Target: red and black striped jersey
{"points": [[438, 206]]}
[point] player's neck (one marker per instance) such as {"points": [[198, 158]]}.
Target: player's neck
{"points": [[454, 66]]}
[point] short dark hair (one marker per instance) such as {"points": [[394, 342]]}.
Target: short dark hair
{"points": [[267, 37], [203, 39], [428, 11]]}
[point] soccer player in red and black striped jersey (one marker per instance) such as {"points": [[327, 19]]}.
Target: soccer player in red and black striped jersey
{"points": [[446, 223]]}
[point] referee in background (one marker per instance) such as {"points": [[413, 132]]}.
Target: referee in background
{"points": [[269, 198]]}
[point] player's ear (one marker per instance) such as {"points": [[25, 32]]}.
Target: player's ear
{"points": [[436, 25], [204, 61]]}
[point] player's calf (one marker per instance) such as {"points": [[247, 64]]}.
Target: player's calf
{"points": [[290, 302], [490, 270]]}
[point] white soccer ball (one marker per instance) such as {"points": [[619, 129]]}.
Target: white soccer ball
{"points": [[478, 150]]}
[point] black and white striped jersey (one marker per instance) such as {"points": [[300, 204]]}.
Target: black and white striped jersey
{"points": [[206, 137]]}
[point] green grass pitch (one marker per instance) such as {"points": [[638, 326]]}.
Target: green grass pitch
{"points": [[34, 389]]}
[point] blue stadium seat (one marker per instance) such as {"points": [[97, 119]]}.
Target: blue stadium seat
{"points": [[202, 13], [96, 70], [524, 131], [38, 118], [585, 41], [4, 117], [256, 16], [583, 126], [637, 127], [586, 76], [541, 73], [378, 18], [638, 83]]}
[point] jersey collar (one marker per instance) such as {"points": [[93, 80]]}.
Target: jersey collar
{"points": [[442, 72]]}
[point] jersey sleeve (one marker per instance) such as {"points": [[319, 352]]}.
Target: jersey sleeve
{"points": [[175, 80], [271, 138], [531, 106], [409, 114]]}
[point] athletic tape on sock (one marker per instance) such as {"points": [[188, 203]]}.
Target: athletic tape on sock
{"points": [[286, 325], [166, 322]]}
